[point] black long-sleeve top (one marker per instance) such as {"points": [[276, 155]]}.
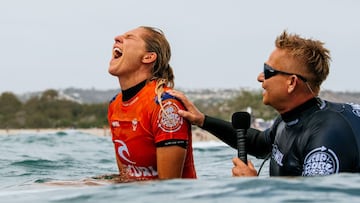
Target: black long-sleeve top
{"points": [[316, 138]]}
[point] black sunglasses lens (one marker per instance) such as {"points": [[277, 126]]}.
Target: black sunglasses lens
{"points": [[268, 71]]}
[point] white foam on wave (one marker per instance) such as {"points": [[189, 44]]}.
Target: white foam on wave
{"points": [[208, 144]]}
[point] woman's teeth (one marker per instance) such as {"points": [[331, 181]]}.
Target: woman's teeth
{"points": [[117, 52]]}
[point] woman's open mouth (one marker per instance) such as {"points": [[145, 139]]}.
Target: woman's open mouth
{"points": [[117, 52]]}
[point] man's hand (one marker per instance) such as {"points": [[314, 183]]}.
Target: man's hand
{"points": [[241, 169], [192, 114]]}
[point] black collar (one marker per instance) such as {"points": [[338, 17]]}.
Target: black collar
{"points": [[314, 103], [132, 91]]}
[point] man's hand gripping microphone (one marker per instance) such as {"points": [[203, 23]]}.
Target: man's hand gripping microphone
{"points": [[241, 123]]}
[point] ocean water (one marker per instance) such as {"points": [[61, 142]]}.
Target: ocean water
{"points": [[60, 167]]}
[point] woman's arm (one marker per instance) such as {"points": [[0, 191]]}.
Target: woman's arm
{"points": [[170, 161]]}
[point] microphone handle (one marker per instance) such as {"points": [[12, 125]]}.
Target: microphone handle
{"points": [[241, 141]]}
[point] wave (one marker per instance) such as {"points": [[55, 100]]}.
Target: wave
{"points": [[208, 144]]}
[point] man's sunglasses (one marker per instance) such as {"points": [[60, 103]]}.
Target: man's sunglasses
{"points": [[270, 72]]}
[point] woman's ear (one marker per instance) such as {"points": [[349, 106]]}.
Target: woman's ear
{"points": [[149, 57]]}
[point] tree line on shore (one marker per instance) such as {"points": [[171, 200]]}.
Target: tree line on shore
{"points": [[51, 111]]}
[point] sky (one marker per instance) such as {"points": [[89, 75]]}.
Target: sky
{"points": [[58, 44]]}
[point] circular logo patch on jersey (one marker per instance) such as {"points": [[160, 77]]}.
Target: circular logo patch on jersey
{"points": [[321, 161], [355, 109], [169, 119]]}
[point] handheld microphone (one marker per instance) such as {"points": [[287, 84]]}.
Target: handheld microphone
{"points": [[241, 122]]}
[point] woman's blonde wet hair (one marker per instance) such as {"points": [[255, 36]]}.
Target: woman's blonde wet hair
{"points": [[309, 53], [162, 72]]}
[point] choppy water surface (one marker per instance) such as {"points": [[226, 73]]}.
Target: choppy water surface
{"points": [[30, 163]]}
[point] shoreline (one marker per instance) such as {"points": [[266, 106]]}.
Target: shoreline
{"points": [[198, 134], [92, 131]]}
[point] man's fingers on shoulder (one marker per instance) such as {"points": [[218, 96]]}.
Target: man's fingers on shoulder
{"points": [[177, 94], [173, 92], [181, 112]]}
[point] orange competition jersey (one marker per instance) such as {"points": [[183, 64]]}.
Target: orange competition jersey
{"points": [[138, 124]]}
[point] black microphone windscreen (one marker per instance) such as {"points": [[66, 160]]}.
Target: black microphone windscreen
{"points": [[241, 120]]}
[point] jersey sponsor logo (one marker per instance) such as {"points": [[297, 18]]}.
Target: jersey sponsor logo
{"points": [[130, 167], [277, 155], [169, 120], [134, 123], [123, 151], [140, 171], [321, 161], [115, 124]]}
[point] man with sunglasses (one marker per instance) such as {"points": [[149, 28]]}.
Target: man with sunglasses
{"points": [[311, 136]]}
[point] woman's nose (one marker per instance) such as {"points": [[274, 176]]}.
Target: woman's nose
{"points": [[118, 39]]}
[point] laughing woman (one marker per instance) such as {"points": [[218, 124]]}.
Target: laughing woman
{"points": [[151, 140]]}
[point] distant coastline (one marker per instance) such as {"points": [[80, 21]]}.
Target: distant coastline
{"points": [[92, 131], [94, 96]]}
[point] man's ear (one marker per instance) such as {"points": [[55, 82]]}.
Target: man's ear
{"points": [[291, 82], [149, 57]]}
